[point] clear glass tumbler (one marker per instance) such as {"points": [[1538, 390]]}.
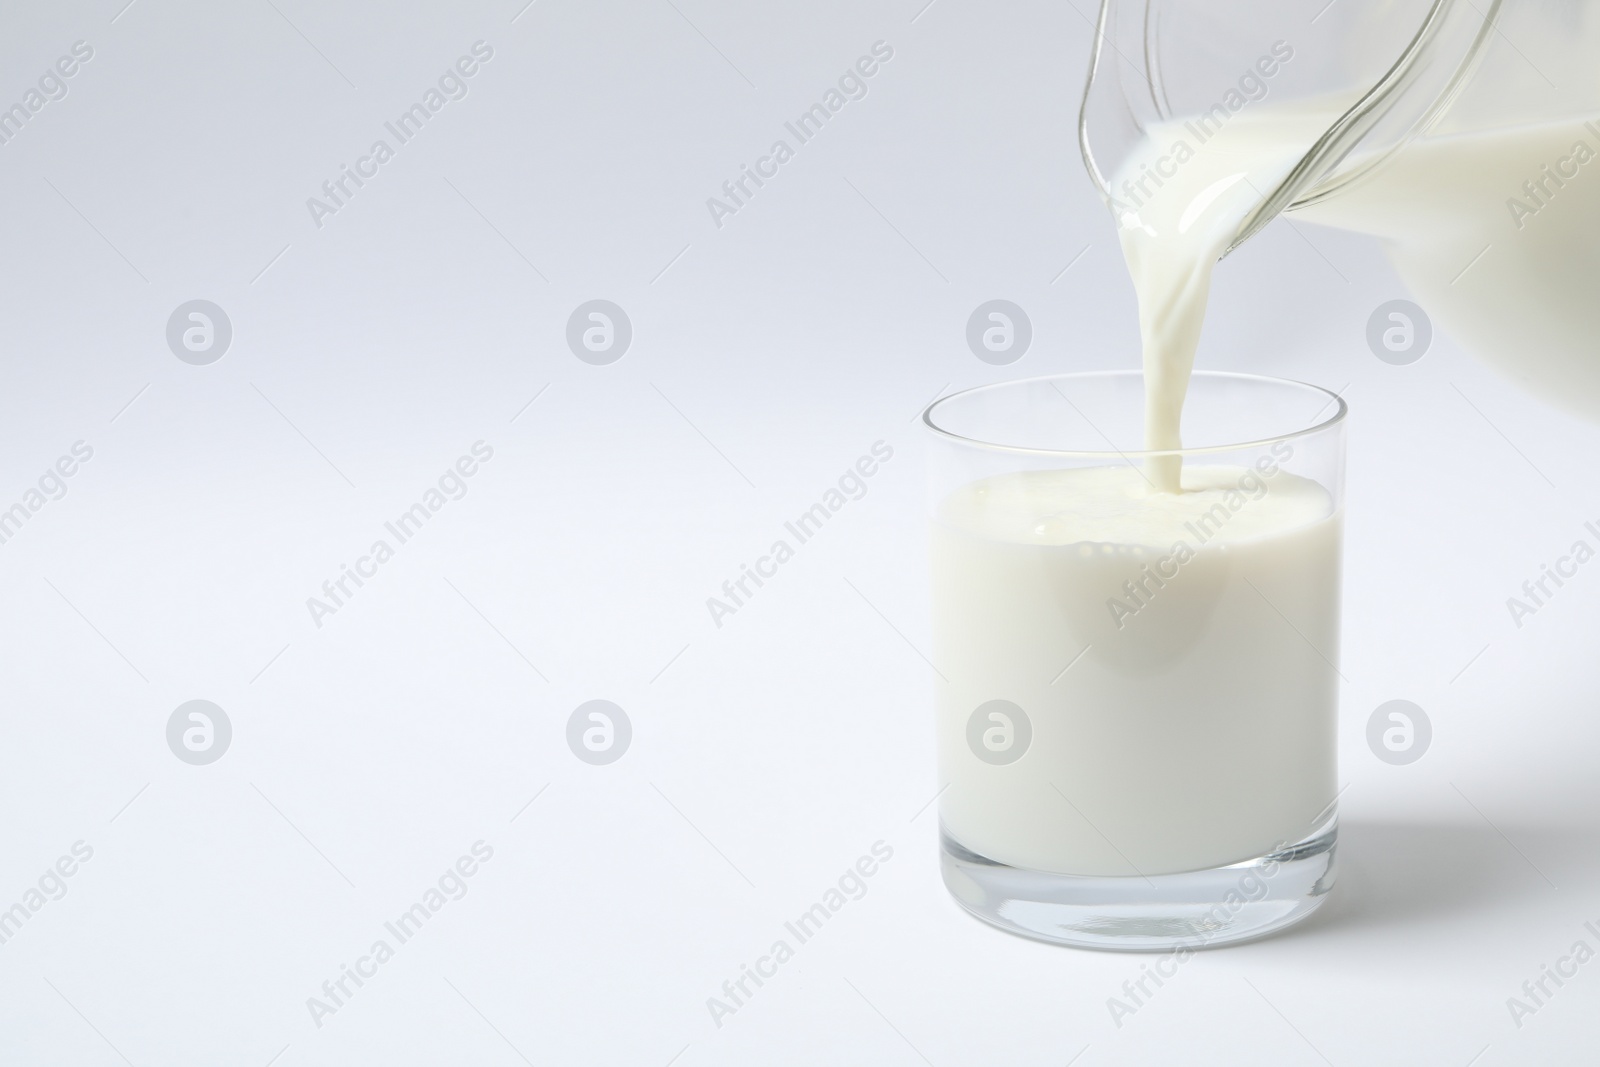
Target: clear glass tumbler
{"points": [[1137, 691]]}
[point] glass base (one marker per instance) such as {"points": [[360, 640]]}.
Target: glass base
{"points": [[1164, 912]]}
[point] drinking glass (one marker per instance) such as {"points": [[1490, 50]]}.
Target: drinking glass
{"points": [[1137, 691]]}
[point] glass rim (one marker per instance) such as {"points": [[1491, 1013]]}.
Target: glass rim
{"points": [[1341, 409]]}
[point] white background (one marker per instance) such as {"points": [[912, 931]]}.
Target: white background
{"points": [[768, 754]]}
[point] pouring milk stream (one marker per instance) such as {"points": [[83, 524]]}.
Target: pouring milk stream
{"points": [[1174, 229], [1484, 188]]}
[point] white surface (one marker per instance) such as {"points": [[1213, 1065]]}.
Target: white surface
{"points": [[799, 733]]}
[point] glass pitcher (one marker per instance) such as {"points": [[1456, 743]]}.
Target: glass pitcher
{"points": [[1464, 133]]}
